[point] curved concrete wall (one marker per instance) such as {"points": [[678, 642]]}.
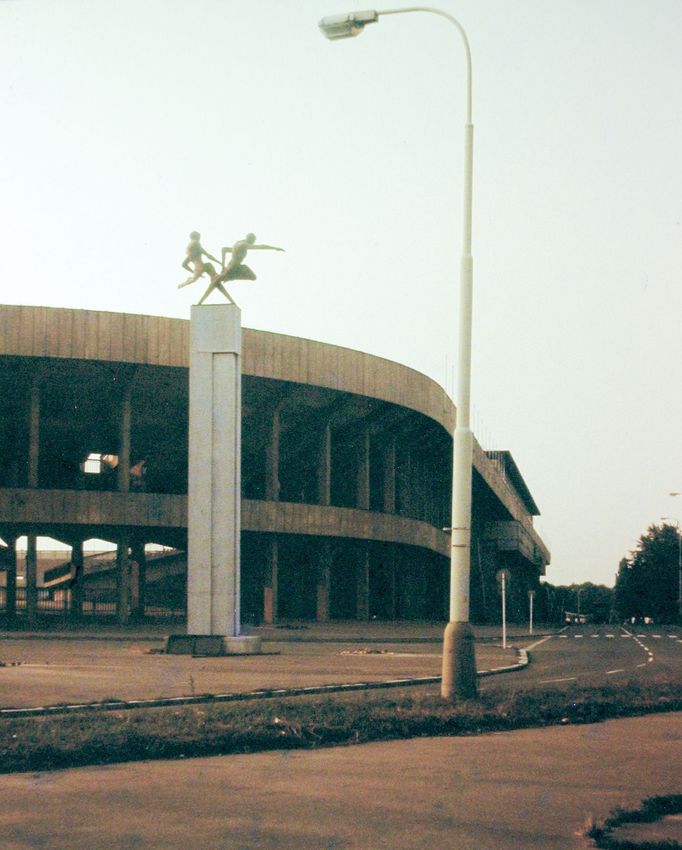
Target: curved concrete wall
{"points": [[51, 332], [159, 341]]}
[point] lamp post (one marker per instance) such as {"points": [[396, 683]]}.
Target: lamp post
{"points": [[459, 662]]}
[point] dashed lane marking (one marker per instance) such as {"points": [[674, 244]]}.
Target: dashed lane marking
{"points": [[565, 679], [611, 672]]}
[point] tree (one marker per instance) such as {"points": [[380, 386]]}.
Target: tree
{"points": [[594, 600], [646, 584]]}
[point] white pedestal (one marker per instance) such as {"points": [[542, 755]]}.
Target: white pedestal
{"points": [[214, 487]]}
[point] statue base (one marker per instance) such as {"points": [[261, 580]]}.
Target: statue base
{"points": [[213, 645]]}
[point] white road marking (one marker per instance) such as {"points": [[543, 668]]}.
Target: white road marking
{"points": [[577, 636], [658, 637], [609, 636], [594, 635], [642, 665], [566, 679], [542, 640], [562, 637], [610, 672]]}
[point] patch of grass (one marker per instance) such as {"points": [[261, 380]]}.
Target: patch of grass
{"points": [[46, 743], [650, 811]]}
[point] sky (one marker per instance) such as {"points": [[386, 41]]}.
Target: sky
{"points": [[129, 123]]}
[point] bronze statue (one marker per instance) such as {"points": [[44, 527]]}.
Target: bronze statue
{"points": [[234, 270]]}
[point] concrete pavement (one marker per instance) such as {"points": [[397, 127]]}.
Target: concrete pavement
{"points": [[528, 790], [41, 669]]}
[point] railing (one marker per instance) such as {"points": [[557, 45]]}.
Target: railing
{"points": [[94, 605]]}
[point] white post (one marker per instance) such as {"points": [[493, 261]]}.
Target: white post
{"points": [[214, 486], [531, 596]]}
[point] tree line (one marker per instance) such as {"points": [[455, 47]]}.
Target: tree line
{"points": [[647, 586]]}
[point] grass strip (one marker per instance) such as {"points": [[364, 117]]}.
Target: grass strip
{"points": [[651, 810], [48, 743]]}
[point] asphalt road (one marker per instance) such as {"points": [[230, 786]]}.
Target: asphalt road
{"points": [[592, 655]]}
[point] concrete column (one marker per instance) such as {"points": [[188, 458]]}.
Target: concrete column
{"points": [[77, 580], [138, 576], [214, 492], [11, 579], [393, 585], [324, 466], [323, 581], [31, 576], [363, 472], [270, 582], [272, 457], [362, 584], [389, 476], [123, 469], [122, 583], [33, 435]]}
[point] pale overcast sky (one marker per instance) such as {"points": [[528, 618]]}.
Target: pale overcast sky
{"points": [[128, 123]]}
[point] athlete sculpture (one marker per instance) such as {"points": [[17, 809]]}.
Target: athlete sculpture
{"points": [[234, 270]]}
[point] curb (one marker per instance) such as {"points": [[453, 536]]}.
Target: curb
{"points": [[203, 699], [270, 637]]}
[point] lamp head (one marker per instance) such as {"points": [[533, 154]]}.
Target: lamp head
{"points": [[347, 25]]}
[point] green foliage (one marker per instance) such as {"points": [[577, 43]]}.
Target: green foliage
{"points": [[595, 600], [647, 581]]}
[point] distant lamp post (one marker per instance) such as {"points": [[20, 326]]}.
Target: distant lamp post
{"points": [[676, 523], [459, 662]]}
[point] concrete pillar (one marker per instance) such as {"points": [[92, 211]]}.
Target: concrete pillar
{"points": [[272, 457], [33, 435], [11, 579], [214, 492], [77, 580], [392, 585], [324, 466], [362, 584], [123, 469], [31, 577], [323, 581], [122, 583], [138, 580], [389, 476], [363, 472], [270, 582]]}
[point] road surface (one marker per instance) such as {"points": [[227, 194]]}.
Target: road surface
{"points": [[593, 655]]}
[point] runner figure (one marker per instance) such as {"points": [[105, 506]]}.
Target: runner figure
{"points": [[195, 254], [236, 269]]}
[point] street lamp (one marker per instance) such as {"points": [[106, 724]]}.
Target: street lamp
{"points": [[459, 662]]}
